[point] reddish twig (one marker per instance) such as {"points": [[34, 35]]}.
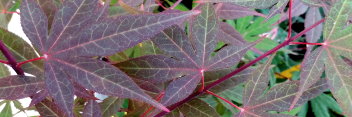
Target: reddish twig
{"points": [[160, 4]]}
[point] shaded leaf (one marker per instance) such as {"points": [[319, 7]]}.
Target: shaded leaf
{"points": [[60, 88], [17, 87], [312, 69], [232, 11], [313, 15], [38, 97], [47, 108], [278, 98], [197, 108], [179, 89], [22, 51], [257, 84], [110, 106], [6, 111], [92, 109]]}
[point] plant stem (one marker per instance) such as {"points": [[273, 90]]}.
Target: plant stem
{"points": [[241, 68], [11, 60], [176, 3]]}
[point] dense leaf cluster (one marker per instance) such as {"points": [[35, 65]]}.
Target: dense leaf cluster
{"points": [[131, 52]]}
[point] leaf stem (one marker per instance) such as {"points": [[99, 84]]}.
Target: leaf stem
{"points": [[227, 101], [31, 60], [5, 62], [241, 68], [160, 4], [9, 12], [306, 43], [11, 60]]}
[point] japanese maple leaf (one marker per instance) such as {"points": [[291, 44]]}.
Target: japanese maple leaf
{"points": [[257, 104], [82, 30], [186, 59], [336, 45]]}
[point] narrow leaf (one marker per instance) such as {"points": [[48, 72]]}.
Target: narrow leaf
{"points": [[313, 15], [179, 89], [38, 97], [104, 78], [198, 108], [73, 12], [34, 23], [257, 84], [17, 87], [232, 11], [312, 69], [60, 88], [120, 33]]}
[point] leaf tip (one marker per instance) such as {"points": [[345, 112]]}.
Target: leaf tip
{"points": [[165, 109], [196, 12]]}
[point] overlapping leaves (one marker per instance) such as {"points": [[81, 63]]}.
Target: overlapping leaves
{"points": [[337, 41], [186, 59], [257, 103], [80, 30]]}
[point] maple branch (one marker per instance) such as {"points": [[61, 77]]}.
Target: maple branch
{"points": [[227, 101], [287, 42], [31, 60], [11, 60]]}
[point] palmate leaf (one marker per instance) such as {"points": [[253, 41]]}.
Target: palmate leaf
{"points": [[190, 58], [81, 28], [337, 41], [198, 108]]}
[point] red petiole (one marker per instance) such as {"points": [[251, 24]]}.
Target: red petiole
{"points": [[31, 60], [158, 98]]}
